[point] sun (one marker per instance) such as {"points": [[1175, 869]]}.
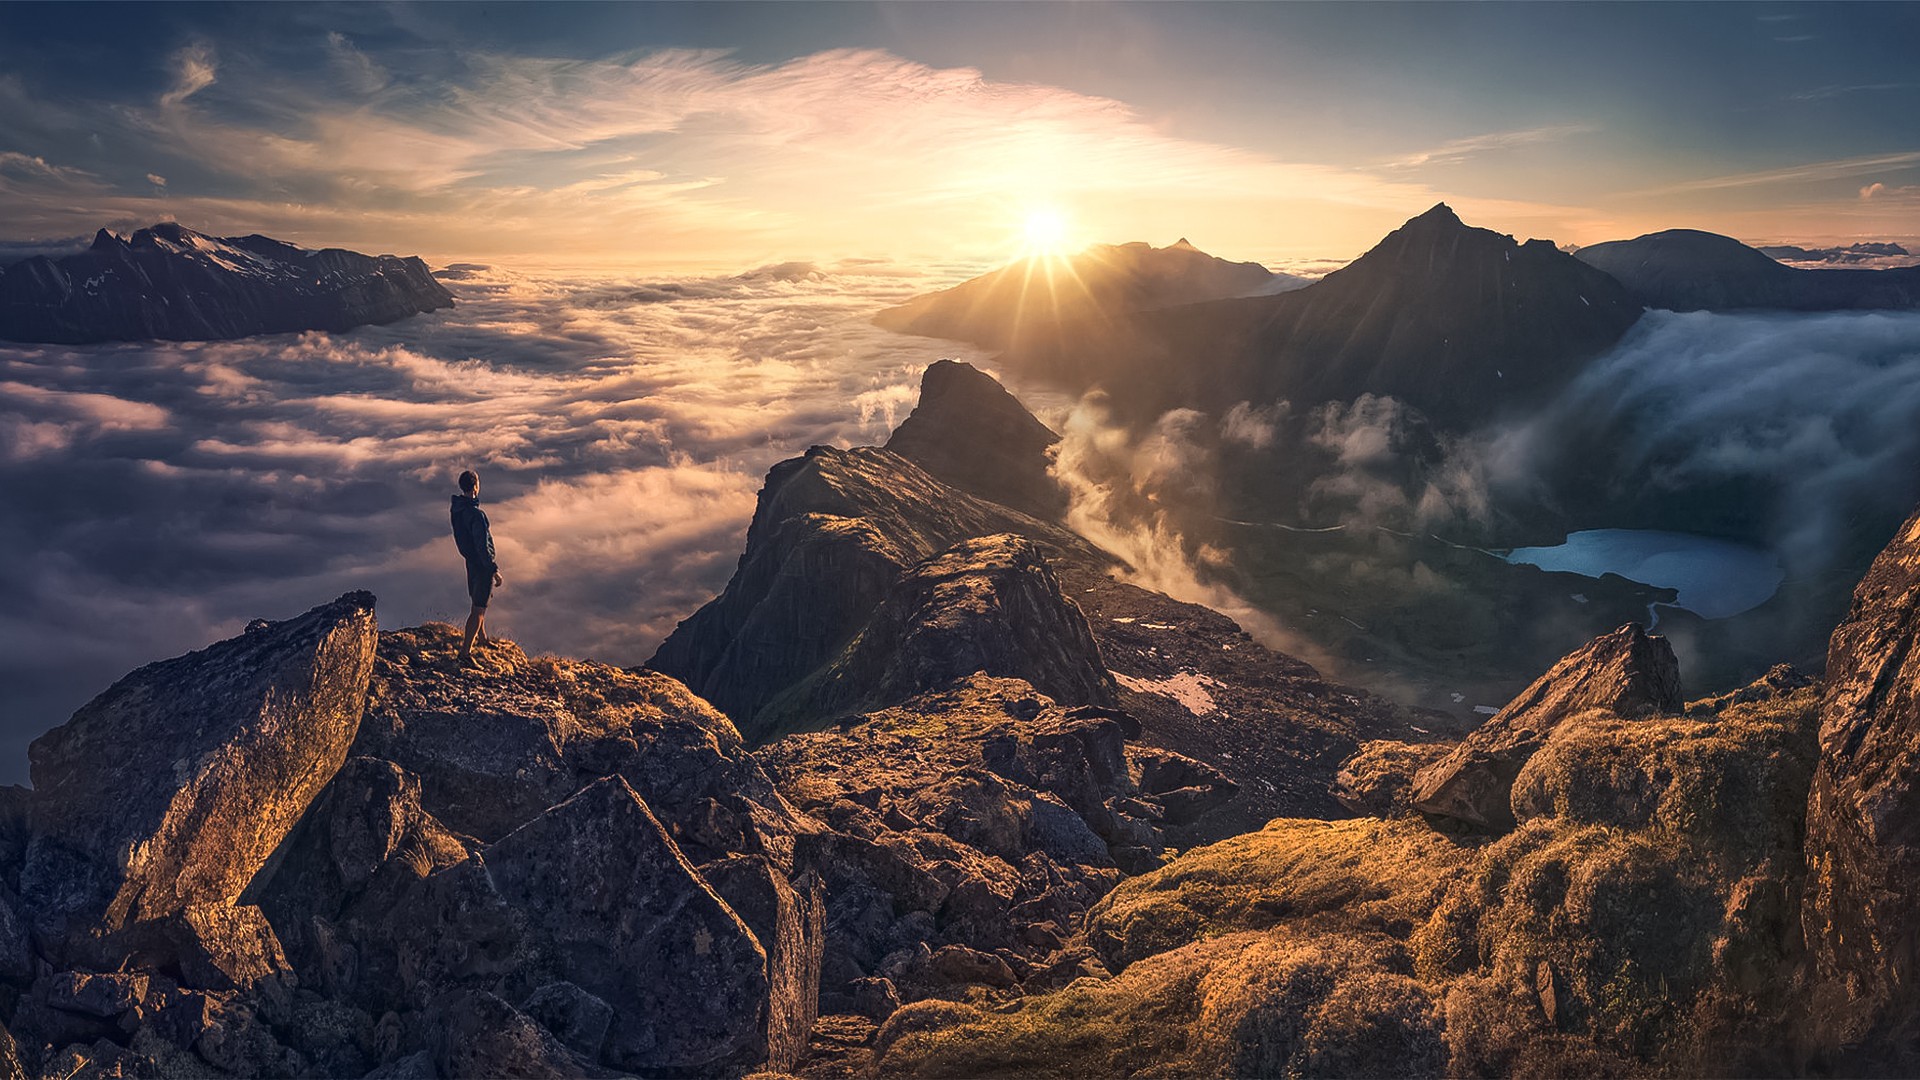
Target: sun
{"points": [[1045, 231]]}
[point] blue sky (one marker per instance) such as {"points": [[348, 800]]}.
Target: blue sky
{"points": [[728, 133]]}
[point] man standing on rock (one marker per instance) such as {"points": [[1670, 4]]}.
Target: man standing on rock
{"points": [[474, 537]]}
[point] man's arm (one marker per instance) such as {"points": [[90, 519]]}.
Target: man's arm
{"points": [[483, 541]]}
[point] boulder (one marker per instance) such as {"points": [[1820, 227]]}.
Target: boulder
{"points": [[363, 843], [594, 892], [171, 789], [480, 1035], [1378, 781], [1863, 817], [790, 921], [493, 749], [1628, 673]]}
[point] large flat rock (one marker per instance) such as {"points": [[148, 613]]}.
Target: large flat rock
{"points": [[171, 789]]}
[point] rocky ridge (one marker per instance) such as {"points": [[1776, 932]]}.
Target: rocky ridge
{"points": [[171, 283], [364, 861]]}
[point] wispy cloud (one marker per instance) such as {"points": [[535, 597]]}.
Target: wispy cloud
{"points": [[833, 153], [156, 495], [194, 71], [1838, 169], [1457, 150], [1826, 93]]}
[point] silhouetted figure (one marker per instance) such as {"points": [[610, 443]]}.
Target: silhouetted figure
{"points": [[474, 537]]}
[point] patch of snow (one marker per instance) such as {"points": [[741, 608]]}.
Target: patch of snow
{"points": [[1157, 626], [1485, 710], [1128, 619], [1458, 698], [1189, 688], [1580, 598]]}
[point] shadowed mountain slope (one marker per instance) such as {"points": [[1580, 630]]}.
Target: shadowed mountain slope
{"points": [[1053, 301], [968, 431], [1689, 270]]}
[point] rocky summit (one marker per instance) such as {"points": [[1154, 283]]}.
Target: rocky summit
{"points": [[171, 283], [930, 790]]}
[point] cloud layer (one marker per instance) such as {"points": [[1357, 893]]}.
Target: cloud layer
{"points": [[155, 497]]}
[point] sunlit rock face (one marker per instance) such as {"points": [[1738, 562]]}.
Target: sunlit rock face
{"points": [[1627, 673], [1863, 819], [171, 283], [169, 791], [1689, 270]]}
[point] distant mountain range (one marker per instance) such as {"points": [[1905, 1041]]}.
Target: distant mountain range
{"points": [[1462, 323], [1866, 254], [1043, 301], [1689, 270], [168, 282]]}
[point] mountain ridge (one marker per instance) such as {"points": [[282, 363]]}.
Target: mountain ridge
{"points": [[168, 282]]}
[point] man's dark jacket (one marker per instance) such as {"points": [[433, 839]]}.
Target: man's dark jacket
{"points": [[471, 533]]}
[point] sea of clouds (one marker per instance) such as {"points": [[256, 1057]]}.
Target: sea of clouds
{"points": [[155, 497]]}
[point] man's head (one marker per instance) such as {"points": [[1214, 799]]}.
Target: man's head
{"points": [[470, 482]]}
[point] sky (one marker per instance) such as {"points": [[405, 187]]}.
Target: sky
{"points": [[735, 135]]}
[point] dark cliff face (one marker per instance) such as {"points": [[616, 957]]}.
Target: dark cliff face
{"points": [[1459, 322], [1689, 270], [172, 283], [968, 431], [1863, 818], [833, 534]]}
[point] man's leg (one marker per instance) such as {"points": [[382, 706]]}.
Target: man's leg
{"points": [[474, 619]]}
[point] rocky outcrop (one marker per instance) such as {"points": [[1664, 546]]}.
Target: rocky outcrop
{"points": [[1628, 673], [969, 432], [1689, 270], [832, 535], [1863, 819], [165, 795], [1378, 781], [595, 893], [990, 604], [493, 749], [983, 817], [175, 284]]}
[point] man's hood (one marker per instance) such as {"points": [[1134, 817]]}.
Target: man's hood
{"points": [[470, 502]]}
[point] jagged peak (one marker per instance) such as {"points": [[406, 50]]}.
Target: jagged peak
{"points": [[106, 239], [1183, 244]]}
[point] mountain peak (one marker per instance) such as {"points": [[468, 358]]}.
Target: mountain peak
{"points": [[1183, 244], [970, 432], [1440, 214], [106, 241]]}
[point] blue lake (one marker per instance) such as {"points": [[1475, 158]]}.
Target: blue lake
{"points": [[1714, 578]]}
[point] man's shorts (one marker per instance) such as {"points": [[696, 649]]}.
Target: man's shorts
{"points": [[479, 584]]}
